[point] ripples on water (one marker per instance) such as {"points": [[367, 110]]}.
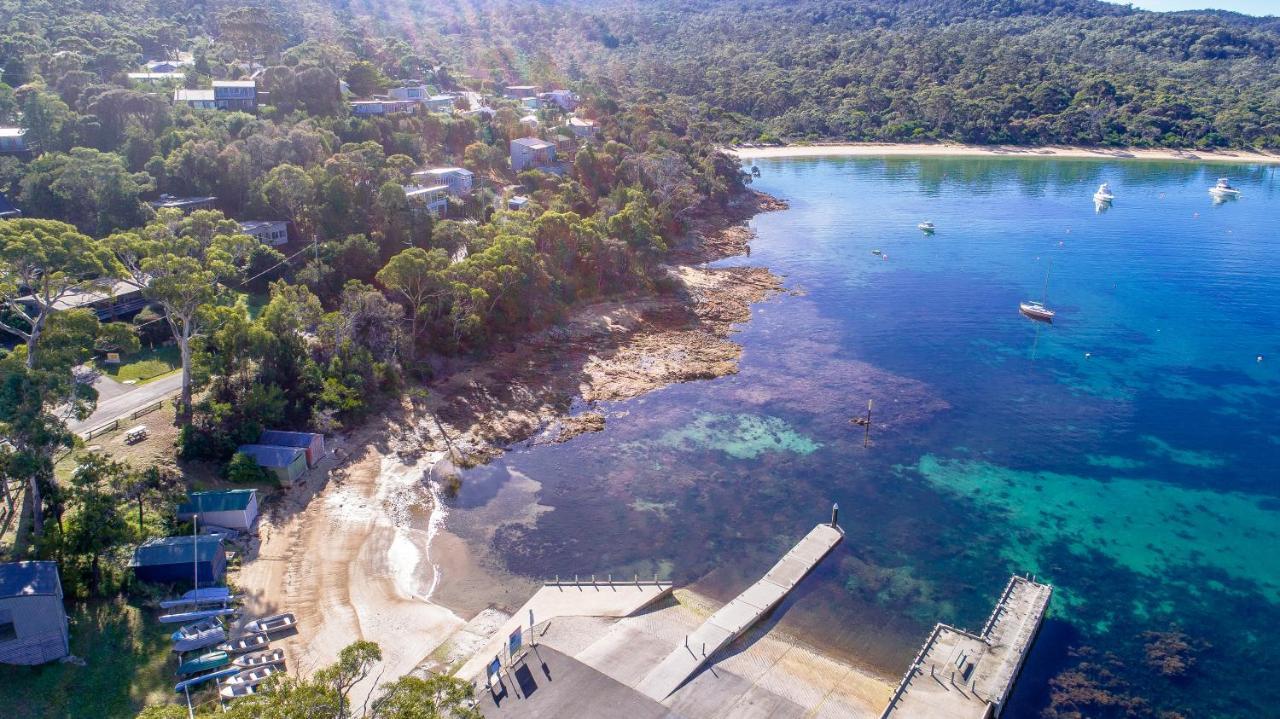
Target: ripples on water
{"points": [[1128, 452]]}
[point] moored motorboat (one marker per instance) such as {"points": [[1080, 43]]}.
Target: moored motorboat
{"points": [[193, 682], [1036, 311], [257, 659], [198, 635], [246, 643], [204, 662], [272, 624], [1103, 194], [926, 227], [1223, 188]]}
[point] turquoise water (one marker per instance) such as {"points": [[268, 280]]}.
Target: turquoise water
{"points": [[1128, 452]]}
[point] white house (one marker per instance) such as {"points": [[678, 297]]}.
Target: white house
{"points": [[13, 139], [382, 107], [582, 128], [433, 199], [532, 153], [268, 232], [230, 508], [530, 121], [417, 93], [460, 180]]}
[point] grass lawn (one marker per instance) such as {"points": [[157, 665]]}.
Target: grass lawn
{"points": [[252, 304], [144, 366], [128, 664]]}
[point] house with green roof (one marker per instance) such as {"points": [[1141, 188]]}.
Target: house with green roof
{"points": [[181, 559], [230, 508]]}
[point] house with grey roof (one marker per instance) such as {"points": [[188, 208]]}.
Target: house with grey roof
{"points": [[531, 153], [33, 621], [230, 508], [180, 559], [286, 463]]}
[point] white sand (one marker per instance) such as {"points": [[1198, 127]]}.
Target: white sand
{"points": [[956, 150]]}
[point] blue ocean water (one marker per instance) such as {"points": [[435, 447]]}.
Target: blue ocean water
{"points": [[1129, 452]]}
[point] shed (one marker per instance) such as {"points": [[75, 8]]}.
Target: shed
{"points": [[288, 463], [179, 559], [311, 442], [33, 622], [230, 508]]}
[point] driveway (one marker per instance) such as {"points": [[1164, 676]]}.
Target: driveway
{"points": [[126, 403]]}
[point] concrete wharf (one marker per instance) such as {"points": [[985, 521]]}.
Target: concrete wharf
{"points": [[740, 614], [961, 675]]}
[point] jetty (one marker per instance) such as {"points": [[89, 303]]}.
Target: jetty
{"points": [[961, 675], [740, 614]]}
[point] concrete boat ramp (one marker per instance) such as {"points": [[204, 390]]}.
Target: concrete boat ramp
{"points": [[740, 614]]}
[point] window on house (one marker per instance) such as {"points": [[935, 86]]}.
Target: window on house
{"points": [[8, 631]]}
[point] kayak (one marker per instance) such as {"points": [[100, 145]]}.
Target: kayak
{"points": [[194, 682]]}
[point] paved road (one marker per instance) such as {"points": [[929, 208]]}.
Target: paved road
{"points": [[124, 404]]}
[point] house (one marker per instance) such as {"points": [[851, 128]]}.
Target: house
{"points": [[565, 99], [382, 107], [8, 210], [108, 301], [433, 198], [230, 508], [235, 94], [530, 121], [310, 442], [33, 621], [156, 78], [417, 93], [531, 153], [440, 103], [269, 232], [459, 179], [186, 204], [286, 463], [517, 202], [582, 128], [200, 559], [167, 66], [532, 103], [13, 140], [519, 92], [195, 99]]}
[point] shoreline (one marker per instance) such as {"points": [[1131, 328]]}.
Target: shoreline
{"points": [[869, 149]]}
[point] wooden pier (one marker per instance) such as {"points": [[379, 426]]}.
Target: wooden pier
{"points": [[739, 615], [961, 675]]}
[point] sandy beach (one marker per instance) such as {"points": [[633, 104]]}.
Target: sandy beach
{"points": [[957, 150]]}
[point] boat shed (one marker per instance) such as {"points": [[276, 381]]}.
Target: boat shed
{"points": [[230, 508], [33, 621], [180, 559], [287, 463], [311, 442]]}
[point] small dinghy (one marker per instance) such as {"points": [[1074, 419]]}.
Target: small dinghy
{"points": [[180, 617], [246, 643], [258, 659], [271, 624], [926, 227], [200, 597], [198, 635], [252, 677], [194, 682], [204, 662]]}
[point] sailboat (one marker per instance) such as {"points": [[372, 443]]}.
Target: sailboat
{"points": [[1037, 310]]}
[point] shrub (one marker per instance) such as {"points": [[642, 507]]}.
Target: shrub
{"points": [[242, 469]]}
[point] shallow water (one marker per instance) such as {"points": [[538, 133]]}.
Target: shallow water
{"points": [[1127, 453]]}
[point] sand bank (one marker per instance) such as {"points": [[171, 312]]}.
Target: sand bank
{"points": [[956, 150]]}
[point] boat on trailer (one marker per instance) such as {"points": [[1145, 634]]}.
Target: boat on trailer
{"points": [[272, 624]]}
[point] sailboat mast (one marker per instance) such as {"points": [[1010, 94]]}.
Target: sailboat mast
{"points": [[1044, 294]]}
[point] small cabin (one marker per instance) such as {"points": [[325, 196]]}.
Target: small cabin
{"points": [[33, 621], [180, 559], [273, 233], [230, 508], [286, 463], [310, 442]]}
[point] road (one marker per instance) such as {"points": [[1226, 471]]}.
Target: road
{"points": [[126, 403]]}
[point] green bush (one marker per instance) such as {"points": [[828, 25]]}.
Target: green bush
{"points": [[242, 469]]}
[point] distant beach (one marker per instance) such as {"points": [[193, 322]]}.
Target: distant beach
{"points": [[870, 149]]}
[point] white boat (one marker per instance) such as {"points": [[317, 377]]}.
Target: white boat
{"points": [[926, 227], [198, 597], [1103, 194], [179, 617], [257, 659], [198, 635], [234, 691], [252, 677], [246, 643], [1223, 188], [1036, 311], [271, 624]]}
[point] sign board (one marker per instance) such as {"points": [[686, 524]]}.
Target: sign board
{"points": [[113, 358], [493, 670], [514, 642]]}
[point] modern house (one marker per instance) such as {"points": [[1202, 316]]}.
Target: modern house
{"points": [[13, 140], [383, 107], [565, 99], [180, 559], [530, 153], [8, 210], [235, 94], [582, 128], [440, 103], [33, 621], [186, 204], [109, 301], [431, 198], [310, 442], [417, 93], [519, 92], [286, 463], [460, 180], [195, 99], [230, 508], [269, 232]]}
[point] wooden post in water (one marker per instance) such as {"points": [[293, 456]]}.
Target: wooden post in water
{"points": [[866, 437]]}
